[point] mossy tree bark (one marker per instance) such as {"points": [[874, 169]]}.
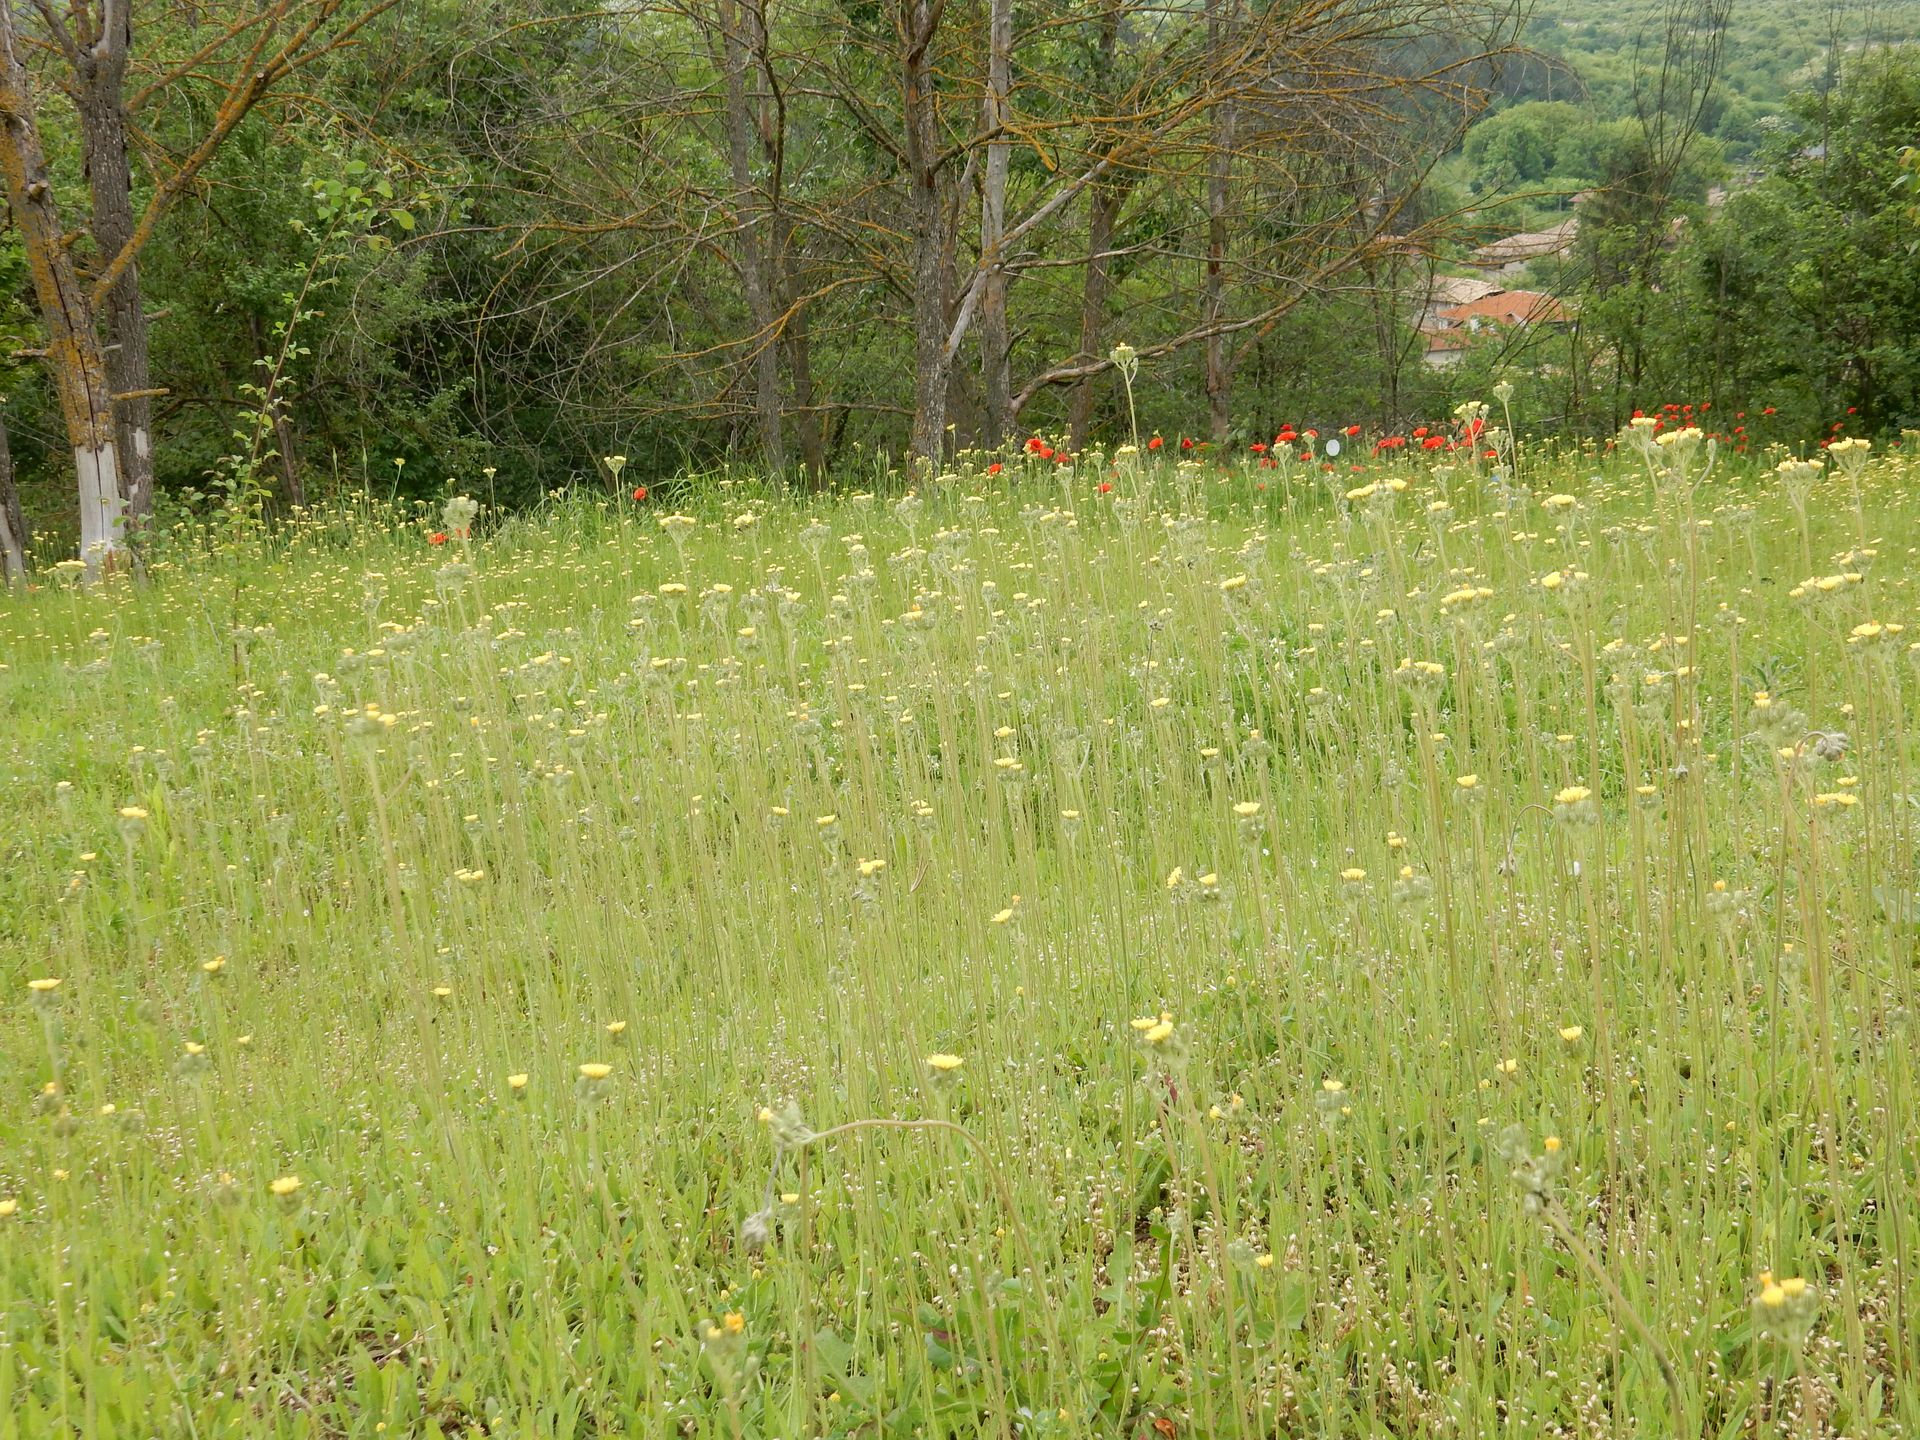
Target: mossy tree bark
{"points": [[73, 352]]}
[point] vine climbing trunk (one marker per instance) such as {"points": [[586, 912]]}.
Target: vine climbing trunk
{"points": [[295, 488], [73, 353]]}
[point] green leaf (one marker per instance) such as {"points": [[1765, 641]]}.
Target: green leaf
{"points": [[834, 1353], [1898, 907]]}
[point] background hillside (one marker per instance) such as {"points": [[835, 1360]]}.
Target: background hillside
{"points": [[1559, 108]]}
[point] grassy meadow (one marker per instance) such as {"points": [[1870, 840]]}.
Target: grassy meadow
{"points": [[1423, 947]]}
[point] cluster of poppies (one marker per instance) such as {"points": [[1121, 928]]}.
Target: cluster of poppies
{"points": [[1680, 416], [1426, 437]]}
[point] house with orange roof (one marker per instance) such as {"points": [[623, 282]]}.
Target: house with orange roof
{"points": [[1451, 329]]}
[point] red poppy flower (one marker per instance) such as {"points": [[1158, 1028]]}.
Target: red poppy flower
{"points": [[1060, 457], [1258, 448], [1106, 487], [639, 492], [1035, 444], [1433, 442], [1351, 431], [1186, 442], [1421, 433], [994, 468], [1155, 443], [1767, 411], [438, 537]]}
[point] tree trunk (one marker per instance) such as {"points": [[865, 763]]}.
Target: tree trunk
{"points": [[289, 465], [931, 366], [806, 421], [13, 523], [928, 216], [782, 244], [1103, 210], [73, 348], [99, 99], [1219, 176], [996, 379], [754, 232]]}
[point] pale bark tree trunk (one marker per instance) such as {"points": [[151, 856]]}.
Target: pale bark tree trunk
{"points": [[73, 348], [13, 523], [1219, 178], [996, 343], [100, 67], [929, 217], [755, 231]]}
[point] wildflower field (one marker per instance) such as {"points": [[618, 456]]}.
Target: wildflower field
{"points": [[1133, 947]]}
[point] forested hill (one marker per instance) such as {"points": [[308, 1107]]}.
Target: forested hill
{"points": [[1589, 51]]}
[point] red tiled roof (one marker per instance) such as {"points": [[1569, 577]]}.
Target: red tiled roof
{"points": [[1508, 307]]}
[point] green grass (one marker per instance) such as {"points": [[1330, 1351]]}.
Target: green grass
{"points": [[449, 814]]}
